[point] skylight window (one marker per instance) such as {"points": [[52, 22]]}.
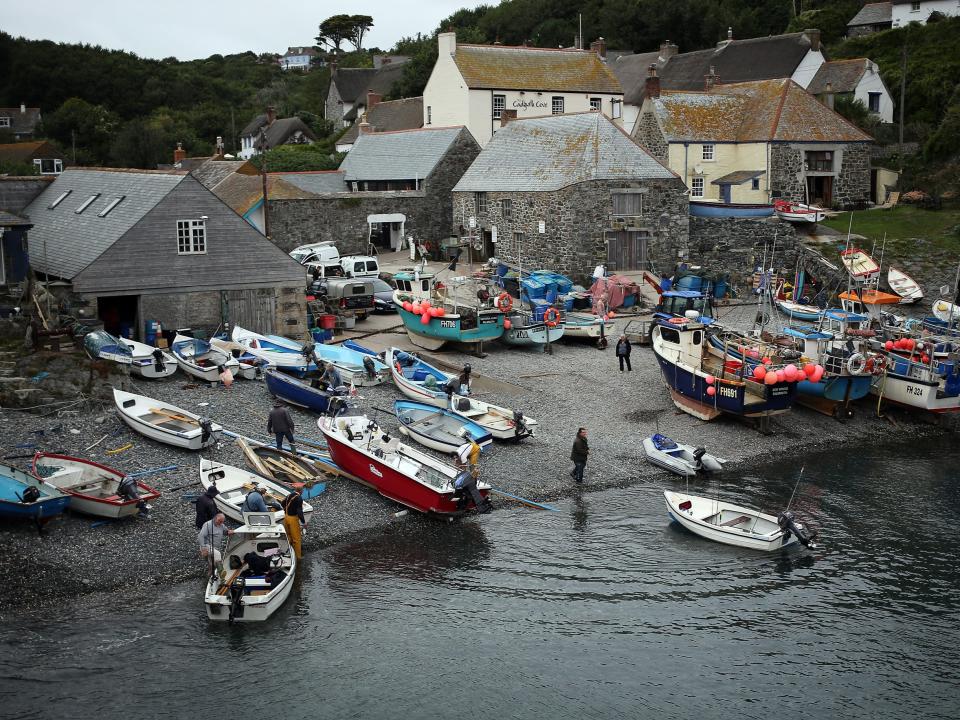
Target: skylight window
{"points": [[59, 200], [113, 203], [87, 203]]}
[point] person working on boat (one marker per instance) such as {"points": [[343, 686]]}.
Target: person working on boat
{"points": [[579, 455], [210, 539], [463, 380], [256, 501], [468, 454], [127, 489], [280, 423], [293, 521], [331, 377], [207, 506]]}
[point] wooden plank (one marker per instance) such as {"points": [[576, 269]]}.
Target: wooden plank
{"points": [[253, 458], [174, 416], [222, 590], [288, 468]]}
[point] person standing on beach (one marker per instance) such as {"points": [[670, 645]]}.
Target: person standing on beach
{"points": [[293, 521], [579, 455], [623, 352], [280, 423], [207, 506]]}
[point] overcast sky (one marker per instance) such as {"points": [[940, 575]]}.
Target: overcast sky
{"points": [[189, 29]]}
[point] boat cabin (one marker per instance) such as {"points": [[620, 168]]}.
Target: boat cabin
{"points": [[682, 342], [676, 303], [414, 282]]}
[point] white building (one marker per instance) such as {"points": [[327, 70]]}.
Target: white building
{"points": [[297, 58], [907, 12], [477, 85], [858, 78]]}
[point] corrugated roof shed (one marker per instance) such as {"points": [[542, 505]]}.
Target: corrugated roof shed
{"points": [[522, 68], [405, 114], [63, 242], [553, 152], [873, 14], [764, 111], [843, 76], [401, 155]]}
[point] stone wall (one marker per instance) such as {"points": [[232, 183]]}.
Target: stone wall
{"points": [[576, 220], [851, 184], [852, 187], [648, 135], [18, 192], [786, 172]]}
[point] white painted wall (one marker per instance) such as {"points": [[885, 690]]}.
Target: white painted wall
{"points": [[871, 82], [905, 14], [728, 157], [247, 149], [808, 68]]}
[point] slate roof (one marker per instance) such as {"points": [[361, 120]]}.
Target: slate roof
{"points": [[279, 130], [631, 71], [738, 177], [317, 182], [298, 51], [400, 155], [212, 172], [21, 123], [353, 83], [500, 67], [63, 243], [553, 152], [843, 76], [27, 151], [873, 14], [406, 114], [764, 111], [9, 219], [242, 192]]}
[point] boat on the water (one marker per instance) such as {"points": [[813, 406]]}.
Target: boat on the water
{"points": [[245, 594], [235, 483], [198, 358], [296, 392], [728, 210], [859, 264], [437, 428], [736, 525], [91, 486], [904, 286], [795, 212], [24, 496], [166, 423], [398, 471], [684, 460], [281, 356], [418, 379]]}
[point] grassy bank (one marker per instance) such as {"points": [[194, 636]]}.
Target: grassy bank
{"points": [[910, 231]]}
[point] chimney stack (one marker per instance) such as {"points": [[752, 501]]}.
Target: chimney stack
{"points": [[179, 154], [599, 46], [828, 95], [271, 114], [220, 151], [668, 50], [813, 35], [365, 127], [506, 116], [711, 79], [653, 82], [447, 43], [23, 108], [373, 99]]}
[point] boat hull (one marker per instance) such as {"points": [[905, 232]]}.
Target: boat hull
{"points": [[149, 370], [13, 482], [808, 313], [295, 392], [416, 390], [587, 327], [839, 388], [233, 484], [255, 609], [448, 328], [527, 335], [910, 392], [708, 209], [191, 439], [737, 535]]}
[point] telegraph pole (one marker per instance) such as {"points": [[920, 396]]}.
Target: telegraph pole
{"points": [[263, 176], [903, 92]]}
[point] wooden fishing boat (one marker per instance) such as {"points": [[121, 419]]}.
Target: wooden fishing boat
{"points": [[502, 423], [23, 496], [524, 331], [250, 367], [904, 286], [287, 468], [437, 428], [684, 460], [417, 379], [796, 311], [196, 357], [800, 213], [400, 472], [235, 483], [736, 525], [859, 264], [296, 392], [587, 326], [148, 361], [166, 423], [933, 386], [240, 595], [735, 210], [282, 357], [92, 486]]}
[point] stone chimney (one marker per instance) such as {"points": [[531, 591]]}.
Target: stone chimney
{"points": [[373, 99], [599, 46], [828, 95], [653, 82], [220, 150], [668, 50], [813, 35], [271, 114], [364, 126], [179, 154], [506, 116], [447, 44], [711, 79]]}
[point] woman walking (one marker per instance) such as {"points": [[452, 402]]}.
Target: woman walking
{"points": [[623, 352]]}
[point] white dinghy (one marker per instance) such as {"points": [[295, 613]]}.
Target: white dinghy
{"points": [[200, 359], [736, 525], [503, 423], [241, 593], [148, 361], [678, 458], [234, 483], [904, 286], [164, 422]]}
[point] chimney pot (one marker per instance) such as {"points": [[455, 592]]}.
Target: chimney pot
{"points": [[365, 126], [506, 116], [711, 79], [828, 95], [813, 35], [271, 114], [23, 108], [652, 89], [599, 46], [447, 43], [179, 154]]}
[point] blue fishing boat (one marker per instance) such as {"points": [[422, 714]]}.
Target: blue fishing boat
{"points": [[101, 345], [24, 496], [286, 355], [437, 428], [296, 392], [418, 379], [796, 311], [729, 210], [355, 368], [463, 325], [677, 303], [362, 349]]}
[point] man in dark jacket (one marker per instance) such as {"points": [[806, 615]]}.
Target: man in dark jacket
{"points": [[579, 455], [623, 352], [207, 506], [280, 423]]}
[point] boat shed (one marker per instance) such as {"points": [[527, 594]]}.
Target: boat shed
{"points": [[139, 245]]}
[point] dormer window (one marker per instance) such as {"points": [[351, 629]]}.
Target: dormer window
{"points": [[63, 196], [86, 203]]}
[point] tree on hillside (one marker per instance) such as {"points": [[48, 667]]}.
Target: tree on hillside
{"points": [[335, 30], [361, 23], [86, 126]]}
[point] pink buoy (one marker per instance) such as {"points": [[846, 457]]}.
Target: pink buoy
{"points": [[809, 369], [781, 376], [759, 372], [766, 361], [710, 379], [753, 353], [924, 358], [407, 305], [711, 391], [817, 375], [425, 304], [790, 369], [416, 308], [770, 378], [441, 312], [507, 324], [425, 319], [888, 345]]}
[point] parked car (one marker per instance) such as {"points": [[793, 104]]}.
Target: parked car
{"points": [[360, 266], [317, 252], [383, 296]]}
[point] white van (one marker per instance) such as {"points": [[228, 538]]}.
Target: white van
{"points": [[318, 252], [360, 266]]}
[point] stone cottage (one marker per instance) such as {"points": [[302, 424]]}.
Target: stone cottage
{"points": [[566, 192]]}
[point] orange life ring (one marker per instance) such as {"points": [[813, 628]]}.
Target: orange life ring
{"points": [[677, 320], [504, 302], [551, 317]]}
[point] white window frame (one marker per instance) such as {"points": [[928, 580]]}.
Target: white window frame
{"points": [[192, 237], [557, 101], [696, 184], [709, 152], [914, 7], [86, 203], [499, 105], [5, 121], [506, 208], [596, 104], [57, 165], [616, 109]]}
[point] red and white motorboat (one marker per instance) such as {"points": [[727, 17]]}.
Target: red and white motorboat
{"points": [[397, 471], [798, 212], [92, 487], [859, 264]]}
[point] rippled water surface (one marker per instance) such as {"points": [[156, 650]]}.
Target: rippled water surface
{"points": [[604, 610]]}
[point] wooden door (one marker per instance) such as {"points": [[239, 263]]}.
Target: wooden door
{"points": [[626, 250], [253, 309]]}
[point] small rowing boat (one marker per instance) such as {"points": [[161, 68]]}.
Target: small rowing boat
{"points": [[296, 392], [23, 496], [437, 428], [282, 357], [235, 483], [859, 264], [417, 379], [684, 460], [164, 422], [200, 359], [795, 212], [502, 423], [904, 286]]}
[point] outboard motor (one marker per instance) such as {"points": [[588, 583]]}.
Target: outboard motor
{"points": [[465, 484], [336, 406], [30, 495], [698, 458], [206, 430], [788, 524], [307, 351], [236, 599], [519, 426], [158, 360], [369, 367]]}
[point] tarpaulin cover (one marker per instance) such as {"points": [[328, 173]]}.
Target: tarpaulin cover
{"points": [[612, 290]]}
